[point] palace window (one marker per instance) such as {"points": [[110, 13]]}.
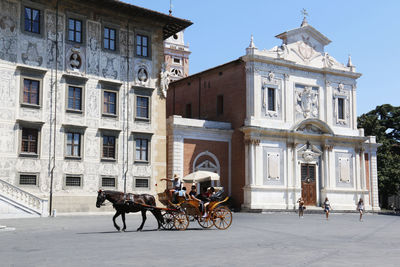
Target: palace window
{"points": [[142, 107], [220, 105], [28, 179], [30, 141], [271, 99], [31, 92], [32, 20], [74, 98], [142, 45], [341, 108], [109, 38], [109, 103], [141, 183], [142, 149], [73, 144], [75, 30], [108, 182], [73, 181], [109, 151]]}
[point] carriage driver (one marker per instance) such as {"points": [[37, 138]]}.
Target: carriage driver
{"points": [[176, 185]]}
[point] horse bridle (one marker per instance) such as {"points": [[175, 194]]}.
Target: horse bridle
{"points": [[103, 196]]}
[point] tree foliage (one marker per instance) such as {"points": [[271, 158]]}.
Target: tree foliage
{"points": [[384, 123]]}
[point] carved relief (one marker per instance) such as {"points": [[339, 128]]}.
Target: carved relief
{"points": [[305, 50], [308, 153], [143, 171], [32, 56], [8, 31], [307, 102], [94, 43], [110, 69], [51, 39], [93, 101]]}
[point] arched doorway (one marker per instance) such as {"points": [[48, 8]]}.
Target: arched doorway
{"points": [[206, 161]]}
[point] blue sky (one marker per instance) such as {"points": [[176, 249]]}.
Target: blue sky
{"points": [[368, 30]]}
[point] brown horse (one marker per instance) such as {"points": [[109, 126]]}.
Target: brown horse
{"points": [[125, 203]]}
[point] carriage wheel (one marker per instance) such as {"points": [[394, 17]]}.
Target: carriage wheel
{"points": [[205, 222], [222, 217], [181, 221], [168, 221]]}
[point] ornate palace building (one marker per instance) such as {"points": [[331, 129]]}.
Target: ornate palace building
{"points": [[82, 102], [277, 125]]}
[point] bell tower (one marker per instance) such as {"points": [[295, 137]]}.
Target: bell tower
{"points": [[176, 56]]}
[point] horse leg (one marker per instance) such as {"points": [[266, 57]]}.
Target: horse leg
{"points": [[143, 220], [115, 216], [159, 218], [123, 220]]}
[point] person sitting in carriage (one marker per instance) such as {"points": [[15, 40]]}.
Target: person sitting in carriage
{"points": [[209, 194]]}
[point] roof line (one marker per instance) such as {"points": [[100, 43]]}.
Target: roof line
{"points": [[207, 70]]}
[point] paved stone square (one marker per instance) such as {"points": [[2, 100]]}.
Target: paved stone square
{"points": [[271, 239]]}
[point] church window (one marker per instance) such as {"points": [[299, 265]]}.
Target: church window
{"points": [[341, 108], [32, 20], [142, 45], [188, 111], [220, 104], [177, 60], [271, 99], [109, 38], [75, 30]]}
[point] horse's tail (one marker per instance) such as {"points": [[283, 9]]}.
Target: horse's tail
{"points": [[156, 212]]}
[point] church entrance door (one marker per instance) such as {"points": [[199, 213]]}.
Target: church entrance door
{"points": [[308, 184]]}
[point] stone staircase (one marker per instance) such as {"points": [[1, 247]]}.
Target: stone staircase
{"points": [[15, 202]]}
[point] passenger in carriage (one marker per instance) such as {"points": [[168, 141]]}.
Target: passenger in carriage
{"points": [[210, 192], [193, 193], [182, 193]]}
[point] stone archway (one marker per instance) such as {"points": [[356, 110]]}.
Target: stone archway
{"points": [[207, 161]]}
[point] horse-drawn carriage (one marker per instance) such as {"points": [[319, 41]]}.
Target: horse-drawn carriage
{"points": [[176, 214]]}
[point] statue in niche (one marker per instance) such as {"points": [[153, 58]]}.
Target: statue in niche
{"points": [[31, 56], [165, 80], [142, 75], [75, 61], [307, 102]]}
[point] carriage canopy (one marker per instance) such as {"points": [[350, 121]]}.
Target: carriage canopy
{"points": [[201, 176]]}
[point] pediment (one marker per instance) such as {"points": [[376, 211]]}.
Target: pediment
{"points": [[312, 126]]}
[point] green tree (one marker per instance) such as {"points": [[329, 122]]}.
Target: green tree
{"points": [[384, 123]]}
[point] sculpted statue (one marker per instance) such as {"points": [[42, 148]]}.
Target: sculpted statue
{"points": [[307, 102], [165, 80]]}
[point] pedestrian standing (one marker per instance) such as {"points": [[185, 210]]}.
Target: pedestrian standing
{"points": [[327, 207], [301, 207], [360, 208]]}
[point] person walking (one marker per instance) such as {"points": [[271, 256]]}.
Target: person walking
{"points": [[327, 207], [360, 208], [301, 207]]}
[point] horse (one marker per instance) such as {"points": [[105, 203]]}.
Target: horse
{"points": [[125, 203]]}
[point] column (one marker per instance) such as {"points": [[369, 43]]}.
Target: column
{"points": [[354, 108], [363, 177], [374, 181], [357, 169]]}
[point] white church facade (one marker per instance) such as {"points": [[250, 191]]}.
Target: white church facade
{"points": [[299, 135]]}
